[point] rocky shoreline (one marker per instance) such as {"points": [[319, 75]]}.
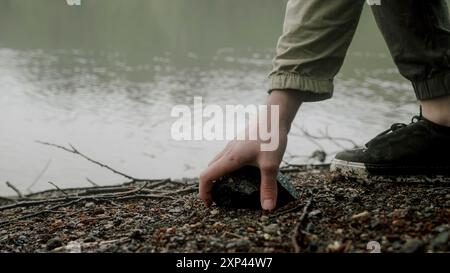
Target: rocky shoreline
{"points": [[331, 215]]}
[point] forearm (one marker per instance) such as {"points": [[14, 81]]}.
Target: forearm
{"points": [[289, 102]]}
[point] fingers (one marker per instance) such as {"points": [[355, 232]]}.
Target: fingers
{"points": [[219, 155], [269, 187], [221, 167]]}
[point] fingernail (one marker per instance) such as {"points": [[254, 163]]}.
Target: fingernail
{"points": [[268, 204]]}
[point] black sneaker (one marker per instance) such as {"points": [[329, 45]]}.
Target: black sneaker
{"points": [[418, 152]]}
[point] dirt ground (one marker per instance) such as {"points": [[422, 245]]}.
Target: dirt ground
{"points": [[332, 215]]}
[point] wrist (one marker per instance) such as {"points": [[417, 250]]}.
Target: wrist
{"points": [[288, 102]]}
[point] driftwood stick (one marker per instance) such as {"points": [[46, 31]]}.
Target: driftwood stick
{"points": [[297, 227], [7, 199], [19, 194]]}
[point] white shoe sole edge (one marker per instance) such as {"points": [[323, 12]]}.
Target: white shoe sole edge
{"points": [[359, 172]]}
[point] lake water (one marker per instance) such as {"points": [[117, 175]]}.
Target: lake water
{"points": [[105, 75]]}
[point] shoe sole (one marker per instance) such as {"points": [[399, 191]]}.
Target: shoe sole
{"points": [[359, 172]]}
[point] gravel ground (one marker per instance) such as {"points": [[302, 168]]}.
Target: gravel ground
{"points": [[343, 216]]}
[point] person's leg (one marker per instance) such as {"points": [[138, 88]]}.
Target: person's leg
{"points": [[418, 35], [437, 110], [316, 36]]}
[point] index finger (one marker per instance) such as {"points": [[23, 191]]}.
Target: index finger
{"points": [[216, 170]]}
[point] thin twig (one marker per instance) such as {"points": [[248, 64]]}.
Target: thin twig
{"points": [[102, 190], [92, 182], [326, 136], [14, 189], [145, 196], [58, 188], [73, 150], [298, 226], [38, 177]]}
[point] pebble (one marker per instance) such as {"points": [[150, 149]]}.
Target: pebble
{"points": [[361, 216], [90, 239], [271, 229], [108, 226], [251, 229], [99, 210], [89, 205], [314, 213], [176, 211], [238, 244], [412, 246], [441, 228], [136, 234], [73, 247], [374, 223], [214, 212], [267, 236], [335, 246], [54, 243], [440, 239]]}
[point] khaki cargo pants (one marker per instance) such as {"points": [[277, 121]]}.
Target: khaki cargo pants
{"points": [[317, 34]]}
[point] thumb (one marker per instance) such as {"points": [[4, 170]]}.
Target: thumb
{"points": [[269, 188]]}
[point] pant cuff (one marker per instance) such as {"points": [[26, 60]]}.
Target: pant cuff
{"points": [[437, 86], [310, 89]]}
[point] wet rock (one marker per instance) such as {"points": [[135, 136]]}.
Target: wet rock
{"points": [[271, 229], [412, 246], [241, 189], [53, 243]]}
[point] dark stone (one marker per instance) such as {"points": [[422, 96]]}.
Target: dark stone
{"points": [[241, 189], [54, 243]]}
